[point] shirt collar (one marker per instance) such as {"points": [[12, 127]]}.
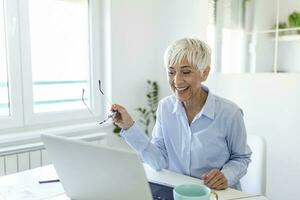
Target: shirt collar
{"points": [[209, 106], [176, 106], [208, 109]]}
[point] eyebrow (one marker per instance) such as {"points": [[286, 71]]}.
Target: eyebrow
{"points": [[185, 66], [182, 67]]}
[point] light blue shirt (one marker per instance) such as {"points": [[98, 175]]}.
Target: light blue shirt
{"points": [[216, 139]]}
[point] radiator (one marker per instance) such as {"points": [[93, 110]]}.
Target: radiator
{"points": [[23, 157]]}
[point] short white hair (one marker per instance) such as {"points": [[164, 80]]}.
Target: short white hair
{"points": [[196, 52]]}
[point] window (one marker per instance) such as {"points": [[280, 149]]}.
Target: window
{"points": [[255, 36], [227, 35], [4, 100], [49, 53], [59, 42]]}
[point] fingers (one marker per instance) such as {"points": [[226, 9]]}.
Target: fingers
{"points": [[117, 117], [116, 108], [215, 179], [122, 117], [211, 182], [210, 175], [220, 185]]}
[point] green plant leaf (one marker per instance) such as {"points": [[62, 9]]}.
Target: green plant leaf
{"points": [[142, 121], [116, 129], [294, 19], [148, 122], [148, 114]]}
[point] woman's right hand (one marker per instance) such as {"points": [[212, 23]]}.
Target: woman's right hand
{"points": [[122, 117]]}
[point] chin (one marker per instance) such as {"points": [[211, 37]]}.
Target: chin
{"points": [[182, 98]]}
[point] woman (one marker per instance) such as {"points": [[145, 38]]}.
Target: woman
{"points": [[196, 133]]}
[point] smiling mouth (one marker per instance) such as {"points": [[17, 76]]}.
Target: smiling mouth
{"points": [[181, 89]]}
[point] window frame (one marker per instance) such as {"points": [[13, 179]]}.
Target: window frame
{"points": [[13, 66], [20, 77]]}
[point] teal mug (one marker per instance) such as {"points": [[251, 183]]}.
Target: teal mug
{"points": [[193, 192]]}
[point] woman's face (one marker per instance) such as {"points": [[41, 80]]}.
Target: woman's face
{"points": [[185, 80]]}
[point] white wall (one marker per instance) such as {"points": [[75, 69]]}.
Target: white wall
{"points": [[271, 109], [132, 51], [176, 19], [141, 30]]}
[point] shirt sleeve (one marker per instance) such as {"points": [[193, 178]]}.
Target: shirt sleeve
{"points": [[153, 152], [240, 153]]}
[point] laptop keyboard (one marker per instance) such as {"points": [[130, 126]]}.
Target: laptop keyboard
{"points": [[161, 192]]}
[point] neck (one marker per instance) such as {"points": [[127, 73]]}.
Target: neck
{"points": [[196, 103]]}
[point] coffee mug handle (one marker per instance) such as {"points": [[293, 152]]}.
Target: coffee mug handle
{"points": [[215, 195]]}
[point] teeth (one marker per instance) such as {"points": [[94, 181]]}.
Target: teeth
{"points": [[181, 89]]}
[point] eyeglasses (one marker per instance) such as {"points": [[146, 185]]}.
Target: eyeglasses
{"points": [[107, 100]]}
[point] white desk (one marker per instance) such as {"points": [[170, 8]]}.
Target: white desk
{"points": [[25, 186]]}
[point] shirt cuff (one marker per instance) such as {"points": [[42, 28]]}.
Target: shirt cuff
{"points": [[136, 138], [229, 176]]}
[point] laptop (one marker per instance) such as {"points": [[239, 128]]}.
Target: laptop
{"points": [[92, 172]]}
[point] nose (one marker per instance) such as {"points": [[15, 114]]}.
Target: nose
{"points": [[178, 78]]}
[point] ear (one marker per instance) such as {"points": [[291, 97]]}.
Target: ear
{"points": [[205, 73]]}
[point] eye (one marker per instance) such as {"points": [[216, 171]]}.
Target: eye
{"points": [[171, 73], [186, 72]]}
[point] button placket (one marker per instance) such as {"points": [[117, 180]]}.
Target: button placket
{"points": [[189, 149]]}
